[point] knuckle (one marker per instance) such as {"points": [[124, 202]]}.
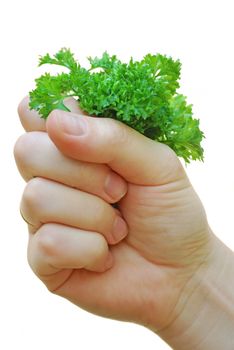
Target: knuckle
{"points": [[173, 164], [119, 133], [112, 132], [24, 152], [42, 251], [20, 149], [32, 197], [47, 241]]}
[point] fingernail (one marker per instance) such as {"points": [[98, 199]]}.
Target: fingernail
{"points": [[71, 124], [119, 230], [115, 186]]}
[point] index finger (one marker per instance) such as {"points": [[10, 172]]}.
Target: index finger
{"points": [[31, 120]]}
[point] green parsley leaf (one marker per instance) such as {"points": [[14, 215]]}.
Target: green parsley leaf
{"points": [[142, 94]]}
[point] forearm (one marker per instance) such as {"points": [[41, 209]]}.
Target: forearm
{"points": [[206, 320]]}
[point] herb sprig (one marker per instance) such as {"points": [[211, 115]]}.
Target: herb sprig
{"points": [[143, 94]]}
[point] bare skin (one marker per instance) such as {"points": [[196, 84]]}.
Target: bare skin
{"points": [[146, 262]]}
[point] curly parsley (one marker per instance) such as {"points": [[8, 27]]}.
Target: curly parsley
{"points": [[142, 94]]}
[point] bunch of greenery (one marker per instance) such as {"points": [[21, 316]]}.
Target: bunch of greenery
{"points": [[142, 94]]}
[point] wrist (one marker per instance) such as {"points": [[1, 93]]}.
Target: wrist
{"points": [[206, 317]]}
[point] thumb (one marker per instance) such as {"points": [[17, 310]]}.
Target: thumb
{"points": [[135, 157]]}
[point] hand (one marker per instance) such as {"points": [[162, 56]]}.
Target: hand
{"points": [[168, 239]]}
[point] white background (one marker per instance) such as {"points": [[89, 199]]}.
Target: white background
{"points": [[200, 34]]}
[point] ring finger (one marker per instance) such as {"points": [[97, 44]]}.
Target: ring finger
{"points": [[46, 201]]}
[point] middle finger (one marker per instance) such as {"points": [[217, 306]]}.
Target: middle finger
{"points": [[36, 155]]}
